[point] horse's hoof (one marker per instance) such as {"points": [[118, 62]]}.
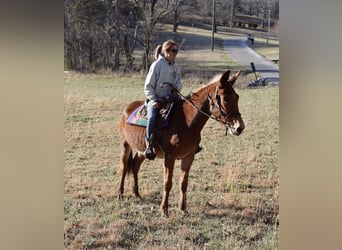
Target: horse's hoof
{"points": [[165, 213], [185, 213], [137, 196]]}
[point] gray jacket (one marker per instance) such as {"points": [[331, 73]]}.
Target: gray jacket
{"points": [[161, 71]]}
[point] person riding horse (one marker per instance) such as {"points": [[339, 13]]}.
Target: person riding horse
{"points": [[164, 69]]}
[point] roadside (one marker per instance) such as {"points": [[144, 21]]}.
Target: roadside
{"points": [[197, 59], [238, 49]]}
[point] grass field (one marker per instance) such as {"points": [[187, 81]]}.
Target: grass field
{"points": [[233, 192]]}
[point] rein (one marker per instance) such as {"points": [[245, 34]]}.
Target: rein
{"points": [[197, 108]]}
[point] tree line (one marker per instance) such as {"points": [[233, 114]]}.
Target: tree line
{"points": [[103, 34]]}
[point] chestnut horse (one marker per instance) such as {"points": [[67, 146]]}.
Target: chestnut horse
{"points": [[180, 140]]}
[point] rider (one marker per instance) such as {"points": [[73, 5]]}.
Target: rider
{"points": [[163, 70]]}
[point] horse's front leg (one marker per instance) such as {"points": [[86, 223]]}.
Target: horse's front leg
{"points": [[168, 172], [137, 160], [183, 181]]}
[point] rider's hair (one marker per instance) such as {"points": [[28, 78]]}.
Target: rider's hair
{"points": [[166, 45], [157, 51]]}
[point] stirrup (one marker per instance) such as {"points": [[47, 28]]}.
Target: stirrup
{"points": [[149, 154]]}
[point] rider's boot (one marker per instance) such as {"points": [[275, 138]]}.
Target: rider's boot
{"points": [[149, 153]]}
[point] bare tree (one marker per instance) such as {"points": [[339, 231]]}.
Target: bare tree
{"points": [[83, 30], [104, 33], [116, 62], [151, 16], [70, 46], [177, 7]]}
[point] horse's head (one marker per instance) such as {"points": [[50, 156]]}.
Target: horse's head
{"points": [[224, 104]]}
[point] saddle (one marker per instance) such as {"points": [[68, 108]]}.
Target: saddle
{"points": [[139, 116]]}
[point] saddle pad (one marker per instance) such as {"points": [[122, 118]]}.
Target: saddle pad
{"points": [[136, 119]]}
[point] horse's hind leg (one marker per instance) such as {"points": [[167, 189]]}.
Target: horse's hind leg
{"points": [[137, 160], [125, 156]]}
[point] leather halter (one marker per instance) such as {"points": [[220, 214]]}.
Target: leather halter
{"points": [[217, 103]]}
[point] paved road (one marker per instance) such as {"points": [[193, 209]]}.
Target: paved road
{"points": [[239, 51]]}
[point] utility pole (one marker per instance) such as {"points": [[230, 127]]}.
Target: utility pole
{"points": [[269, 20], [213, 26]]}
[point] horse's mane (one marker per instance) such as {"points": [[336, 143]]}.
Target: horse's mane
{"points": [[213, 80]]}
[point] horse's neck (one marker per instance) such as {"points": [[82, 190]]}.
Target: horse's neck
{"points": [[195, 118]]}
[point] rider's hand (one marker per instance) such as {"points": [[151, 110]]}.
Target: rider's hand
{"points": [[156, 105]]}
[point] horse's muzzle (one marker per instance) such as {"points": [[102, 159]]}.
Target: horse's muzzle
{"points": [[236, 127]]}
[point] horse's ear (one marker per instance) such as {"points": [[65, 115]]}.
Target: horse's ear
{"points": [[224, 78], [234, 77]]}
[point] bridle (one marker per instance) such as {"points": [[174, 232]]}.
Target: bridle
{"points": [[216, 102]]}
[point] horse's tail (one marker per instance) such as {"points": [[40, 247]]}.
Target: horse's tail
{"points": [[130, 163]]}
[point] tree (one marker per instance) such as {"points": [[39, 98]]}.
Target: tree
{"points": [[70, 60], [177, 6], [83, 33], [104, 33], [150, 17]]}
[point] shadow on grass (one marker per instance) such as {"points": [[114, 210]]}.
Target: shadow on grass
{"points": [[248, 214], [153, 198]]}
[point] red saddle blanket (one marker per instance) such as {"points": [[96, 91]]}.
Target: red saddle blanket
{"points": [[139, 116]]}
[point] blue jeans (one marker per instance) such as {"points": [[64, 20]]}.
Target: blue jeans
{"points": [[152, 116]]}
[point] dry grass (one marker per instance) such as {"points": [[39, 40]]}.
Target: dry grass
{"points": [[233, 185], [270, 51]]}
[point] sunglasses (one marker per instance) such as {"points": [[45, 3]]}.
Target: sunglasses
{"points": [[173, 50]]}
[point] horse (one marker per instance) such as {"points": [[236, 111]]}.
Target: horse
{"points": [[180, 139]]}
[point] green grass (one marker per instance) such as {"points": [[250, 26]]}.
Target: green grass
{"points": [[233, 192]]}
